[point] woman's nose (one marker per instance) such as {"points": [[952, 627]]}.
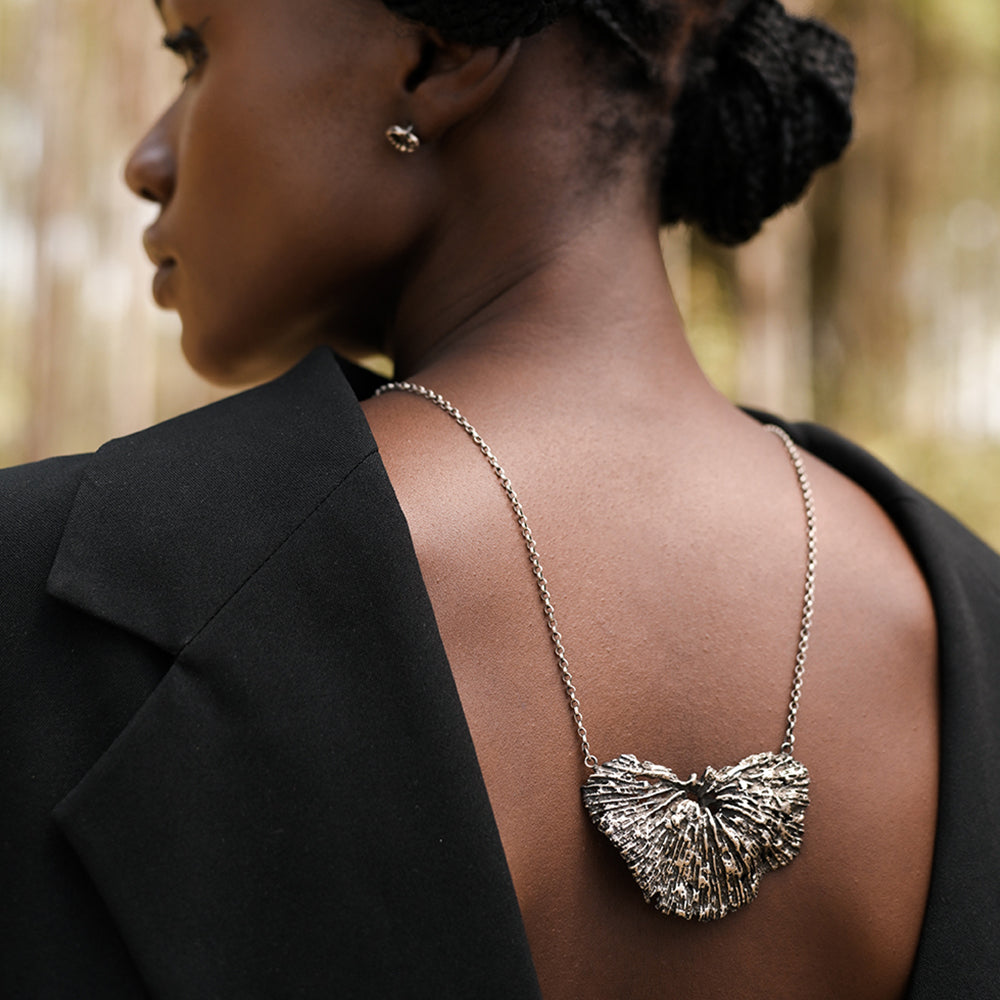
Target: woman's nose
{"points": [[151, 168]]}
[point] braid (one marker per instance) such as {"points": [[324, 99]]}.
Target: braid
{"points": [[496, 23], [600, 11], [764, 97], [761, 110]]}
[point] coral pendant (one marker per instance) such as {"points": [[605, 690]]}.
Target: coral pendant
{"points": [[698, 848]]}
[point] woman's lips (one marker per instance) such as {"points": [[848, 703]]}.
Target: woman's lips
{"points": [[161, 283], [165, 264]]}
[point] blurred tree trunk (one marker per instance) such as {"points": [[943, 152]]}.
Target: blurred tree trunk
{"points": [[823, 317], [92, 363], [774, 283], [53, 195], [860, 215], [131, 354]]}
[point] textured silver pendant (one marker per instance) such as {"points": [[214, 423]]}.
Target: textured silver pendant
{"points": [[698, 848]]}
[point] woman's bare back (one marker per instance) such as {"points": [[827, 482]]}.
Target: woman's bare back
{"points": [[676, 564]]}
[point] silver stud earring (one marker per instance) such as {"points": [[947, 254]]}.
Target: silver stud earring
{"points": [[403, 139]]}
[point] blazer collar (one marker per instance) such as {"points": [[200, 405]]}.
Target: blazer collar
{"points": [[169, 523]]}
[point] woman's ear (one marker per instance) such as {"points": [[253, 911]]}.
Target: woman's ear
{"points": [[452, 82]]}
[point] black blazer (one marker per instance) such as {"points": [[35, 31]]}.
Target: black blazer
{"points": [[233, 762]]}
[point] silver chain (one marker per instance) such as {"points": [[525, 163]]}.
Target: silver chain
{"points": [[589, 759], [809, 596]]}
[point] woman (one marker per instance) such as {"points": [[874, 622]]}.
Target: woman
{"points": [[281, 712]]}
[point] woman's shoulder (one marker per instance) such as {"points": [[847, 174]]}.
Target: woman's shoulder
{"points": [[193, 506], [298, 433], [207, 495], [935, 536]]}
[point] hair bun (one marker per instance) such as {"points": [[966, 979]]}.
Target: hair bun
{"points": [[490, 23], [765, 104]]}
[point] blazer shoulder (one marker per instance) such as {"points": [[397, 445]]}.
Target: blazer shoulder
{"points": [[167, 524], [36, 499]]}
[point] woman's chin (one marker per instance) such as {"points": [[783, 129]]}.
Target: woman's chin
{"points": [[225, 367], [231, 363]]}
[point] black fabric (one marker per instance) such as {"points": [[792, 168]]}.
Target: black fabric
{"points": [[68, 685], [233, 762], [261, 759]]}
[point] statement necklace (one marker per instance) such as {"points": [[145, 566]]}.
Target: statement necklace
{"points": [[697, 848]]}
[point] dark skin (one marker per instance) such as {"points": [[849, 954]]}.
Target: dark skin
{"points": [[499, 268]]}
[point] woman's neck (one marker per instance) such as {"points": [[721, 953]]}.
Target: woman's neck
{"points": [[538, 306]]}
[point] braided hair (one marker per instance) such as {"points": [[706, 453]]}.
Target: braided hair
{"points": [[758, 99]]}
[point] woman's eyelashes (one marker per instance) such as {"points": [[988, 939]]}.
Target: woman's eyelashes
{"points": [[187, 43]]}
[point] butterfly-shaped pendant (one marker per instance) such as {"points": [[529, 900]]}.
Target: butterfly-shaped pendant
{"points": [[698, 848]]}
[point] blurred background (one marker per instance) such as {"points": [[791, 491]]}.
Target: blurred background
{"points": [[874, 307]]}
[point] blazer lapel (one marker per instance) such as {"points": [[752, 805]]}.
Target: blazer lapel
{"points": [[296, 810]]}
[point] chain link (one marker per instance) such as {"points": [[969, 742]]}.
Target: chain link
{"points": [[809, 597], [589, 759]]}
